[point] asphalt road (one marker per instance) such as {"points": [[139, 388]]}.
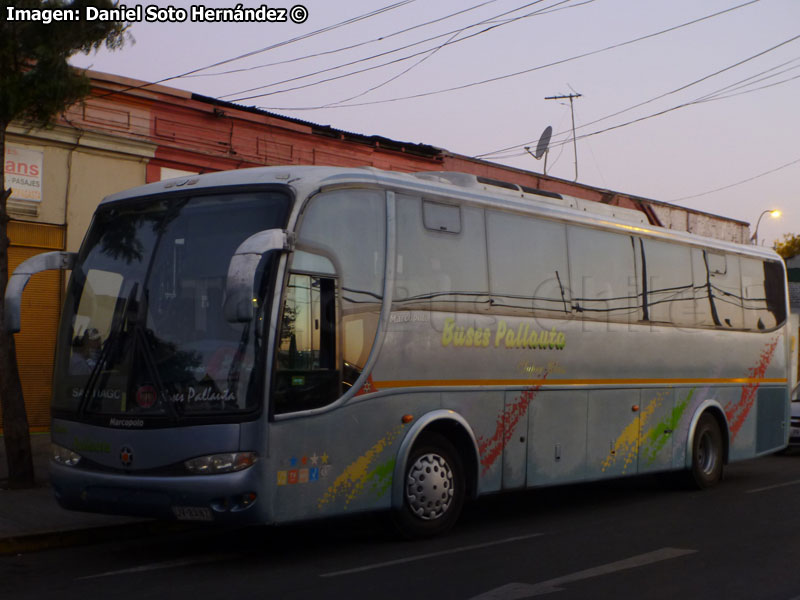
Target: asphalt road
{"points": [[634, 538]]}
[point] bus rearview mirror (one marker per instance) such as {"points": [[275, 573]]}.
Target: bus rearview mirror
{"points": [[22, 274], [240, 284]]}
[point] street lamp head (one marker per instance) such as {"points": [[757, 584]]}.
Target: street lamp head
{"points": [[773, 212]]}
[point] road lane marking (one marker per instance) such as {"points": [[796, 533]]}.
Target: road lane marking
{"points": [[416, 557], [516, 591], [169, 564], [773, 487]]}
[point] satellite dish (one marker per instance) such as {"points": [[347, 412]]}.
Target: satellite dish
{"points": [[544, 142]]}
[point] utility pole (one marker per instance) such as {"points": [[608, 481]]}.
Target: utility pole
{"points": [[572, 111]]}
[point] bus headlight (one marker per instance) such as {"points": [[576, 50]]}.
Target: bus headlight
{"points": [[220, 463], [64, 456]]}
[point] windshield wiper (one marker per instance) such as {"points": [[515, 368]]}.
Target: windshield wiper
{"points": [[142, 344], [110, 345]]}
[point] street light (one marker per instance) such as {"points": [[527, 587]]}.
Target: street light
{"points": [[774, 213]]}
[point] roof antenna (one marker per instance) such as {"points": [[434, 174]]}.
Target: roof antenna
{"points": [[572, 111]]}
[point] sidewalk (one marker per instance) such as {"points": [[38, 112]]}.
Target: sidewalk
{"points": [[32, 519]]}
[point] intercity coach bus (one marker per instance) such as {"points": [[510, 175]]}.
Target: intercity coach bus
{"points": [[286, 343]]}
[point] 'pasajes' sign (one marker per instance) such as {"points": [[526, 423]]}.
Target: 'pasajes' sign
{"points": [[23, 169]]}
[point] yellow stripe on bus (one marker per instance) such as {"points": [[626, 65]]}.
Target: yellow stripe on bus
{"points": [[558, 382]]}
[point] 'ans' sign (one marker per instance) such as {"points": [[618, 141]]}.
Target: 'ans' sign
{"points": [[23, 169]]}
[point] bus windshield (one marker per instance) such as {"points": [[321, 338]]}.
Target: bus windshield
{"points": [[143, 331]]}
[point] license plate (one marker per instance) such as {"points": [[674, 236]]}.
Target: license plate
{"points": [[192, 513]]}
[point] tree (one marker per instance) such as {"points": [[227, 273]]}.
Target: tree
{"points": [[789, 246], [36, 84]]}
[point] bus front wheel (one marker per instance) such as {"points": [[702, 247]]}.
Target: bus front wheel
{"points": [[433, 489], [707, 453]]}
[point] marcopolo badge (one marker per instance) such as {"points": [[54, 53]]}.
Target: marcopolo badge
{"points": [[126, 456]]}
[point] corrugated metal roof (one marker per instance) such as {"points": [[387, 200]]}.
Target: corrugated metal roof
{"points": [[421, 150], [328, 131]]}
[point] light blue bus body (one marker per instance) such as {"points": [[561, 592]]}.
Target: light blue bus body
{"points": [[280, 344]]}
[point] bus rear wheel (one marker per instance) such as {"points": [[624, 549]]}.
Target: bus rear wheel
{"points": [[707, 453], [433, 489]]}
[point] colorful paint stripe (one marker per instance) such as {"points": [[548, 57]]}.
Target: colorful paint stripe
{"points": [[626, 446], [737, 412], [363, 471], [657, 438], [491, 448]]}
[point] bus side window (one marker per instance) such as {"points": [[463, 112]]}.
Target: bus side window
{"points": [[669, 289], [602, 274], [528, 270], [441, 257], [306, 370], [762, 287], [775, 290], [721, 289], [360, 260]]}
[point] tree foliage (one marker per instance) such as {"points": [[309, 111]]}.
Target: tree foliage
{"points": [[36, 84], [36, 81], [789, 246]]}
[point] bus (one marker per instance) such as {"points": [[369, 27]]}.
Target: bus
{"points": [[281, 344]]}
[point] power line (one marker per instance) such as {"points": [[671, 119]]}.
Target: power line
{"points": [[351, 47], [644, 118], [350, 21], [727, 187], [763, 87], [305, 36], [700, 100], [368, 58], [693, 102], [738, 88], [399, 75], [525, 71], [707, 97], [391, 62]]}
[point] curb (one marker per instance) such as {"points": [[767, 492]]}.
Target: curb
{"points": [[38, 542]]}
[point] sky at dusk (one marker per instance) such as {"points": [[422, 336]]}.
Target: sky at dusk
{"points": [[681, 101]]}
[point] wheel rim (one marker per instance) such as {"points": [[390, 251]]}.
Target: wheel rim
{"points": [[706, 454], [429, 487]]}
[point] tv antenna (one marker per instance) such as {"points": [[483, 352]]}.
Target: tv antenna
{"points": [[543, 147], [572, 111]]}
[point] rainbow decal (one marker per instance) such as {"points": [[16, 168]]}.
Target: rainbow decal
{"points": [[655, 439], [491, 448], [364, 471], [737, 412], [626, 447], [380, 478]]}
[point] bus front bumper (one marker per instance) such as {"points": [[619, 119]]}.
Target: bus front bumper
{"points": [[223, 498]]}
